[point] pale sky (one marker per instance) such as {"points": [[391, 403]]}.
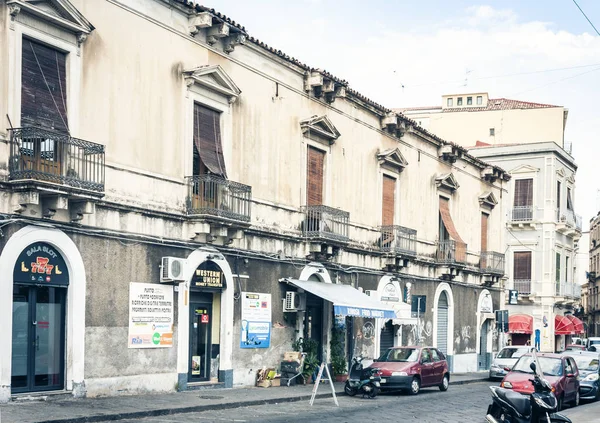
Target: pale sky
{"points": [[410, 52]]}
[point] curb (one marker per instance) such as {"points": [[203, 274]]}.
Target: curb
{"points": [[207, 407]]}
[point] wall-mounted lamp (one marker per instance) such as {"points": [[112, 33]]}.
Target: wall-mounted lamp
{"points": [[321, 270]]}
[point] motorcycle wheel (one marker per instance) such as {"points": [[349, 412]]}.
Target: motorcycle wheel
{"points": [[374, 390], [349, 390]]}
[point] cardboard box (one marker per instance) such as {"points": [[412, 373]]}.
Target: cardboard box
{"points": [[264, 383], [292, 356], [276, 382]]}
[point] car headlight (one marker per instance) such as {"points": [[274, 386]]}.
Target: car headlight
{"points": [[494, 366], [399, 374], [591, 377], [507, 385]]}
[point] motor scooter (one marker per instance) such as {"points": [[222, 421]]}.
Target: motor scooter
{"points": [[362, 380], [540, 406]]}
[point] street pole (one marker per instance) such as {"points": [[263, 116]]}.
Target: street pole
{"points": [[418, 321]]}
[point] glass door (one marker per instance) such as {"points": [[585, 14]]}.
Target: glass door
{"points": [[38, 338], [200, 341]]}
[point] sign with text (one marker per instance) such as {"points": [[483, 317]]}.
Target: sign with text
{"points": [[150, 315], [41, 264], [513, 297], [256, 320], [208, 277]]}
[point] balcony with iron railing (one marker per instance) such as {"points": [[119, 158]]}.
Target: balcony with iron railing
{"points": [[398, 240], [522, 214], [523, 286], [451, 252], [568, 220], [215, 197], [47, 156], [325, 223], [491, 262]]}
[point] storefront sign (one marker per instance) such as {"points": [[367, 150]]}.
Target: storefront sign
{"points": [[41, 264], [390, 293], [486, 304], [256, 320], [150, 315], [513, 297], [208, 276]]}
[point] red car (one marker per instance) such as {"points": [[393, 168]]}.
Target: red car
{"points": [[560, 370], [413, 368]]}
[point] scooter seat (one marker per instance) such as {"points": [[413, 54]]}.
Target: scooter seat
{"points": [[521, 402]]}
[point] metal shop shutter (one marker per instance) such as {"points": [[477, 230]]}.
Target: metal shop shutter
{"points": [[442, 326]]}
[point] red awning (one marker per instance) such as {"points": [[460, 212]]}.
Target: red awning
{"points": [[520, 323], [563, 326], [577, 323]]}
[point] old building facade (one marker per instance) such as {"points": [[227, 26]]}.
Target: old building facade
{"points": [[181, 202], [591, 305]]}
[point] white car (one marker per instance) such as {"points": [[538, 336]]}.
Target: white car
{"points": [[506, 359]]}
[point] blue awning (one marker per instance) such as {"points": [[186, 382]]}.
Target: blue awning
{"points": [[347, 301]]}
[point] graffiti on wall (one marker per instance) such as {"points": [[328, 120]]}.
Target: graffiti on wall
{"points": [[420, 334], [463, 340]]}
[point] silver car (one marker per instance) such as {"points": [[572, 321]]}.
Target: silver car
{"points": [[506, 358]]}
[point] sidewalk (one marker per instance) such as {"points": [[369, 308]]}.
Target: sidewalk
{"points": [[70, 410]]}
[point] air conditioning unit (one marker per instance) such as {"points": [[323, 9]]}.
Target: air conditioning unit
{"points": [[171, 269], [294, 301]]}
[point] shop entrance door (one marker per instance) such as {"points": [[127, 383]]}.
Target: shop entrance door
{"points": [[313, 325], [38, 338], [200, 337]]}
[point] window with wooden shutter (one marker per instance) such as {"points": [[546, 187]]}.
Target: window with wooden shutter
{"points": [[522, 265], [558, 189], [43, 87], [523, 192], [484, 232], [388, 202], [314, 180], [207, 141]]}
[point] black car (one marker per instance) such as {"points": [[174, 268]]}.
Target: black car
{"points": [[589, 373]]}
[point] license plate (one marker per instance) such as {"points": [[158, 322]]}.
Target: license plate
{"points": [[383, 381]]}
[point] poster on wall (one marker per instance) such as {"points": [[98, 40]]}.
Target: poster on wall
{"points": [[150, 315], [256, 320]]}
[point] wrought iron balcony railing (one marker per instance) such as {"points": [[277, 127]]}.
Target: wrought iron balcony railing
{"points": [[215, 196], [522, 214], [569, 218], [491, 262], [451, 251], [325, 222], [50, 156], [398, 239], [523, 286]]}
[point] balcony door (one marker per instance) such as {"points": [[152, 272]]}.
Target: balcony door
{"points": [[523, 200], [522, 271], [314, 179]]}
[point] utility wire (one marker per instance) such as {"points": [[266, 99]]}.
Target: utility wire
{"points": [[554, 82], [588, 19]]}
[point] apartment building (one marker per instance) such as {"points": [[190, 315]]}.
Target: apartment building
{"points": [[181, 203], [591, 306]]}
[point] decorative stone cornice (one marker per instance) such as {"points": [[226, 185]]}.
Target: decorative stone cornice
{"points": [[213, 78], [392, 159], [447, 182], [320, 126]]}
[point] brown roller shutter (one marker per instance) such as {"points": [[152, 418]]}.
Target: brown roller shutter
{"points": [[461, 246], [522, 265], [43, 87], [484, 231], [207, 139], [314, 183], [523, 192], [388, 206]]}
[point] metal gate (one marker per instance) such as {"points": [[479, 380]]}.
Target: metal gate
{"points": [[386, 338], [442, 323], [483, 357]]}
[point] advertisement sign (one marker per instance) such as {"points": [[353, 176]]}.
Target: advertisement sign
{"points": [[208, 277], [41, 264], [513, 297], [256, 320], [390, 293], [150, 315]]}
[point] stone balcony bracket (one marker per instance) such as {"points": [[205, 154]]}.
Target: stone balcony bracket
{"points": [[21, 201], [390, 122], [449, 153], [199, 21]]}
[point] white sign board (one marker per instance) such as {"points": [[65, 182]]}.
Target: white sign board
{"points": [[150, 315], [256, 320]]}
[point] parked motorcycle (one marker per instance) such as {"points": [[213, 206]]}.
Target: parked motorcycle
{"points": [[540, 406], [367, 381]]}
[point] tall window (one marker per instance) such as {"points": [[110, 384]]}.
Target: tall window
{"points": [[43, 87], [479, 100], [449, 102], [569, 200], [557, 277], [208, 149], [469, 101], [484, 231], [522, 266], [567, 270], [558, 188], [523, 193], [388, 201], [459, 101], [314, 180]]}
